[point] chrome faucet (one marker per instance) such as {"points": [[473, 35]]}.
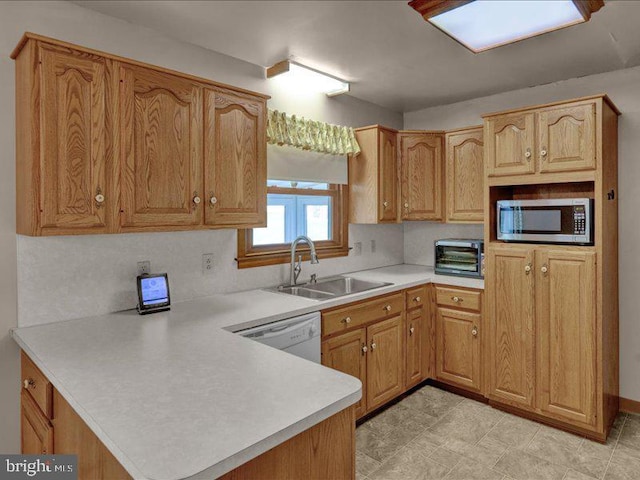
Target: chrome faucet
{"points": [[296, 268]]}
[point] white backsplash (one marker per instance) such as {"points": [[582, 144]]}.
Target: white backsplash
{"points": [[420, 236], [61, 278]]}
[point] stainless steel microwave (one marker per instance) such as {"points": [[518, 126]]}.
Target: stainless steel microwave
{"points": [[562, 220], [460, 256]]}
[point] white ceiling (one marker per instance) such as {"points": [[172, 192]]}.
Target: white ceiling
{"points": [[393, 57]]}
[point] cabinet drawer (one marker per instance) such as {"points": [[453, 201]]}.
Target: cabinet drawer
{"points": [[453, 297], [37, 385], [416, 297], [344, 318]]}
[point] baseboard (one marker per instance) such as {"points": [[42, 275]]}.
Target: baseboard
{"points": [[629, 406]]}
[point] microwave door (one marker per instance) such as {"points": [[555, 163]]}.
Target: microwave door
{"points": [[537, 223]]}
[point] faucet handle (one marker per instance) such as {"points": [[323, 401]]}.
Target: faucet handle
{"points": [[314, 278]]}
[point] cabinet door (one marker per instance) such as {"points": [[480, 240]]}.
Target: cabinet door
{"points": [[347, 353], [385, 361], [458, 348], [567, 138], [74, 140], [465, 176], [421, 176], [36, 431], [509, 285], [235, 162], [509, 141], [161, 134], [415, 333], [566, 315], [387, 177]]}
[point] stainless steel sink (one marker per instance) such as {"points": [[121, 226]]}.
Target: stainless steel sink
{"points": [[302, 292], [345, 286], [329, 288]]}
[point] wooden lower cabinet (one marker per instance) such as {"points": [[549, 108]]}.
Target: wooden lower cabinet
{"points": [[566, 325], [36, 430], [385, 362], [72, 436], [347, 353], [543, 332], [325, 451], [415, 333], [510, 325], [458, 348]]}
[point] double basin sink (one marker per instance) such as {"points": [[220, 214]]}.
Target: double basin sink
{"points": [[329, 288]]}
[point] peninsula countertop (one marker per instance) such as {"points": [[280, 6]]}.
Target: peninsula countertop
{"points": [[177, 395]]}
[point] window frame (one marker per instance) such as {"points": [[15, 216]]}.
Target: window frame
{"points": [[250, 255]]}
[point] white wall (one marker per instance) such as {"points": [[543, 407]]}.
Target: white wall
{"points": [[623, 87], [59, 278]]}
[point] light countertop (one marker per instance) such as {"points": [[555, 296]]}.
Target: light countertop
{"points": [[176, 395]]}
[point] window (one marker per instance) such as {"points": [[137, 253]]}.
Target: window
{"points": [[317, 210]]}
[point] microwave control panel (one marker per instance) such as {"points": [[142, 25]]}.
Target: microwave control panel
{"points": [[579, 220]]}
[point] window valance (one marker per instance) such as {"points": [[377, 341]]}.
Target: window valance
{"points": [[283, 129]]}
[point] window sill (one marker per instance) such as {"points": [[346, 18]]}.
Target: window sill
{"points": [[261, 259]]}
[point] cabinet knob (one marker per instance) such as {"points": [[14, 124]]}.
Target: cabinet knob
{"points": [[527, 154], [373, 346], [406, 205], [457, 299], [527, 269], [99, 198], [29, 382], [385, 204], [411, 330], [213, 200], [388, 308], [474, 331], [544, 269], [364, 349], [346, 320], [196, 200], [417, 299], [543, 152]]}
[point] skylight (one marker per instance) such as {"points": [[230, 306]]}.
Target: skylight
{"points": [[485, 24]]}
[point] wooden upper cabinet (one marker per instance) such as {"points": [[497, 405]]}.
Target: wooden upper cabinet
{"points": [[388, 177], [465, 176], [510, 144], [347, 353], [385, 361], [373, 177], [161, 135], [105, 144], [567, 138], [421, 174], [76, 183], [509, 285], [566, 316], [458, 348], [235, 162]]}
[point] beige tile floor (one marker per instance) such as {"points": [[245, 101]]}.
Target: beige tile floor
{"points": [[434, 434]]}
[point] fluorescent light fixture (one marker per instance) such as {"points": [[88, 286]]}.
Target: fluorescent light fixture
{"points": [[484, 24], [302, 77]]}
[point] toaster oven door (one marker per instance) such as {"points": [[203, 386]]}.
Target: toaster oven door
{"points": [[458, 260]]}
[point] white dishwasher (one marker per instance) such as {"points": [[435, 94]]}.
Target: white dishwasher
{"points": [[299, 336]]}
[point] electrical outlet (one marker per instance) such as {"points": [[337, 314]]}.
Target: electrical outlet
{"points": [[207, 263], [373, 246], [144, 267], [357, 249]]}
